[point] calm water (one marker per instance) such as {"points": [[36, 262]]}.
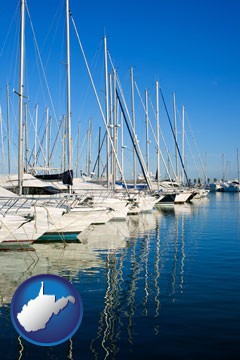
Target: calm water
{"points": [[164, 285]]}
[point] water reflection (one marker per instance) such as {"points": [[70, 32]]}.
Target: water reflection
{"points": [[21, 348], [53, 258], [157, 273], [70, 351], [144, 267], [134, 280]]}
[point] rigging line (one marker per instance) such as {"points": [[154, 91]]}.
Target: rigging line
{"points": [[9, 29], [5, 131], [40, 143], [2, 143], [98, 101], [29, 113], [150, 123], [95, 142], [56, 15], [97, 159], [193, 158], [31, 155], [165, 145], [174, 136], [195, 143], [13, 58], [5, 137], [93, 66], [191, 153], [131, 134], [56, 137], [41, 63], [82, 147], [12, 108], [41, 82], [40, 148], [140, 156]]}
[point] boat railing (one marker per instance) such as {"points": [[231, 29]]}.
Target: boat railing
{"points": [[88, 197], [13, 205], [17, 204]]}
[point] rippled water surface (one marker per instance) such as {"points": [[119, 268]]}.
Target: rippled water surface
{"points": [[164, 285]]}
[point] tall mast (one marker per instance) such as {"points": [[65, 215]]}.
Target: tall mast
{"points": [[90, 148], [63, 144], [49, 142], [111, 157], [20, 92], [2, 145], [223, 170], [88, 152], [133, 126], [122, 142], [158, 134], [237, 166], [35, 137], [175, 131], [147, 131], [26, 137], [183, 134], [115, 127], [106, 107], [78, 151], [69, 135], [99, 150], [8, 129], [46, 141]]}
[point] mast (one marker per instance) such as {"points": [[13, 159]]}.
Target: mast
{"points": [[135, 142], [106, 107], [26, 137], [175, 131], [46, 141], [88, 152], [98, 102], [49, 142], [170, 123], [90, 148], [115, 127], [20, 92], [155, 138], [99, 150], [111, 160], [35, 137], [78, 151], [223, 171], [205, 167], [147, 132], [8, 129], [69, 135], [158, 134], [133, 126], [183, 134], [63, 143], [237, 166], [2, 145], [122, 142]]}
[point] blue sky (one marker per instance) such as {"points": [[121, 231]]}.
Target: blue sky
{"points": [[191, 47]]}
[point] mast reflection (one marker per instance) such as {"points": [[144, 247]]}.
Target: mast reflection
{"points": [[134, 278]]}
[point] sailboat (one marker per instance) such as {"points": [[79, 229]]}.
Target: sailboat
{"points": [[21, 222]]}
